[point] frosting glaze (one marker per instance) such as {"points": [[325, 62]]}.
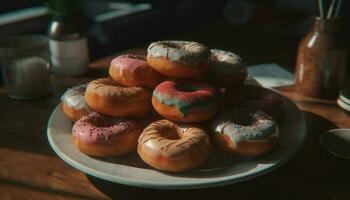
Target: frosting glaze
{"points": [[97, 127], [190, 139], [186, 95], [245, 124], [130, 61], [186, 52], [226, 62], [74, 97]]}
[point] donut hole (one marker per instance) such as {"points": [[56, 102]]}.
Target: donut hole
{"points": [[243, 121], [186, 88], [169, 133], [172, 45]]}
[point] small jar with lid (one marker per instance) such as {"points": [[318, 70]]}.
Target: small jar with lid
{"points": [[68, 48]]}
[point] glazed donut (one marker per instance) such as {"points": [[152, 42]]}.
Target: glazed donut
{"points": [[73, 104], [181, 59], [108, 97], [133, 70], [252, 96], [185, 101], [101, 135], [245, 131], [167, 146], [227, 68]]}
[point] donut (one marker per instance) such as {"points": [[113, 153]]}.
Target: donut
{"points": [[108, 97], [245, 131], [102, 135], [180, 59], [168, 146], [73, 104], [133, 70], [227, 68], [252, 96], [185, 101]]}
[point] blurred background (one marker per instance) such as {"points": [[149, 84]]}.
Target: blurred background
{"points": [[115, 25]]}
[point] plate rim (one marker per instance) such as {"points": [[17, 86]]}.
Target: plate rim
{"points": [[226, 180]]}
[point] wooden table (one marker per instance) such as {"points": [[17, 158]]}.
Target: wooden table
{"points": [[30, 169]]}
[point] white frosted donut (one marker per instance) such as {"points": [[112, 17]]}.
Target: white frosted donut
{"points": [[73, 102], [180, 59], [227, 68], [245, 131], [186, 52]]}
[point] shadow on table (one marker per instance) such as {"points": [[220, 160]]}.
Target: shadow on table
{"points": [[260, 188], [318, 168]]}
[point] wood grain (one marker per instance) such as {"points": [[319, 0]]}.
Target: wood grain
{"points": [[30, 170]]}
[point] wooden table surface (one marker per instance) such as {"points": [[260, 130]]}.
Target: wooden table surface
{"points": [[29, 169]]}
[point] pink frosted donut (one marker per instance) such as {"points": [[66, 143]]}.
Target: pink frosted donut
{"points": [[133, 70], [101, 135], [185, 101]]}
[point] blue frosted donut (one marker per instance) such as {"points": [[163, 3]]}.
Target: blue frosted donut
{"points": [[245, 131]]}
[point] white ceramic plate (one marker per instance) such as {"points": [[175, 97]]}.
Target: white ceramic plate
{"points": [[220, 169]]}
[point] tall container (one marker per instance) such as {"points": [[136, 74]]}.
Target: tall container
{"points": [[321, 60], [68, 44]]}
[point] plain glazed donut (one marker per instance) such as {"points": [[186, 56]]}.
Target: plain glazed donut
{"points": [[108, 97], [185, 101], [167, 146], [247, 132], [101, 135], [227, 68], [180, 59], [73, 104], [133, 70]]}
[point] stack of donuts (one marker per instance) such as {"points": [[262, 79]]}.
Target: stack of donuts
{"points": [[173, 106]]}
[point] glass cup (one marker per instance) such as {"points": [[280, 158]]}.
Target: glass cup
{"points": [[25, 65]]}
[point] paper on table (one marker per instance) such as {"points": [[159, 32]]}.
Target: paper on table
{"points": [[271, 75]]}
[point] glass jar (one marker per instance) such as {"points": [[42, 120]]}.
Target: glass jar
{"points": [[25, 66], [321, 60]]}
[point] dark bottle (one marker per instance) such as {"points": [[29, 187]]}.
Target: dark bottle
{"points": [[321, 60]]}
